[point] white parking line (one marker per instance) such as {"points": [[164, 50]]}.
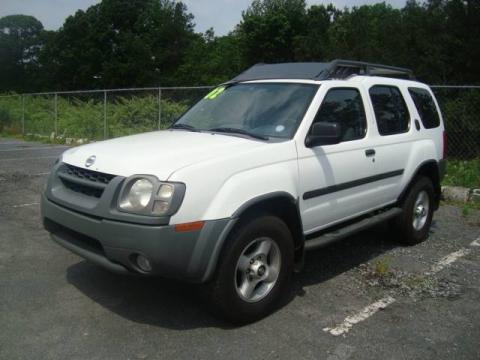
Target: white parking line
{"points": [[362, 315], [36, 148], [25, 205], [30, 158], [381, 304], [447, 260]]}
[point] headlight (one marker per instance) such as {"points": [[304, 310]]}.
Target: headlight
{"points": [[145, 195], [138, 197]]}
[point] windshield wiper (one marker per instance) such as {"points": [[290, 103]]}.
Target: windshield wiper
{"points": [[239, 131], [184, 127]]}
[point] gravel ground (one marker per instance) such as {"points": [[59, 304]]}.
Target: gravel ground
{"points": [[55, 305]]}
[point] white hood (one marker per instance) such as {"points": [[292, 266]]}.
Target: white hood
{"points": [[158, 153]]}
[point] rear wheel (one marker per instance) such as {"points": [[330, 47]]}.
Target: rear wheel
{"points": [[414, 224], [253, 271]]}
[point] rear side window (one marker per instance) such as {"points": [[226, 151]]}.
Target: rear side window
{"points": [[344, 106], [426, 107], [390, 110]]}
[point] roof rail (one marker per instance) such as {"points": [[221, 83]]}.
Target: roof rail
{"points": [[336, 69]]}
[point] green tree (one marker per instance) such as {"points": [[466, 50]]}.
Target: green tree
{"points": [[211, 60], [369, 33], [21, 39], [314, 43], [120, 43], [269, 30]]}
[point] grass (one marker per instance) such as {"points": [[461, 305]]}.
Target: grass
{"points": [[464, 173], [382, 267], [78, 117]]}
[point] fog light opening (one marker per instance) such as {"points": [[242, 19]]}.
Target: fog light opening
{"points": [[143, 263]]}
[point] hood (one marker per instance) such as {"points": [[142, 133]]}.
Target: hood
{"points": [[158, 153]]}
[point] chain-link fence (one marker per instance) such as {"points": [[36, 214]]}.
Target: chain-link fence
{"points": [[95, 114], [460, 107], [101, 114]]}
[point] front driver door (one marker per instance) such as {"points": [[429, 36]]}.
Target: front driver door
{"points": [[331, 188]]}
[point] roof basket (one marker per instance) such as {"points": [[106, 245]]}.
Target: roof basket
{"points": [[341, 69], [336, 69]]}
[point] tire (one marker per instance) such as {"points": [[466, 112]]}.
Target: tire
{"points": [[232, 294], [413, 225]]}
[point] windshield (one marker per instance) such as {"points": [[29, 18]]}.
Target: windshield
{"points": [[261, 109]]}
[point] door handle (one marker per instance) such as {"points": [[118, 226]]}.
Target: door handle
{"points": [[370, 152]]}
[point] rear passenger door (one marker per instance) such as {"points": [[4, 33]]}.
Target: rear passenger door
{"points": [[392, 143]]}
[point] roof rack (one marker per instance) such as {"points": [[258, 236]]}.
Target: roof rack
{"points": [[336, 69]]}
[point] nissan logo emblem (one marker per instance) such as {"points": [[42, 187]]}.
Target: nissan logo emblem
{"points": [[90, 161]]}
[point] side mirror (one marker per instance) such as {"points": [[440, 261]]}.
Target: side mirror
{"points": [[324, 133]]}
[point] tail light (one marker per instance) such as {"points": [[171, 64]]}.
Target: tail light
{"points": [[445, 144]]}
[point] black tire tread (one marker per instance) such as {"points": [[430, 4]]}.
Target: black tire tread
{"points": [[219, 296]]}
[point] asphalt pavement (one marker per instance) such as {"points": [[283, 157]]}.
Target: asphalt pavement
{"points": [[366, 297]]}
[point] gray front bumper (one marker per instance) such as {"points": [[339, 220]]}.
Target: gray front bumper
{"points": [[190, 256]]}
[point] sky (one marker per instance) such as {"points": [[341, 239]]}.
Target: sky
{"points": [[222, 15]]}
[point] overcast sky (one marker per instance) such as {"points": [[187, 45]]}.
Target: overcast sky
{"points": [[222, 15]]}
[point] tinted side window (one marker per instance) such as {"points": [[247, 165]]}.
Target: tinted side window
{"points": [[426, 107], [390, 110], [345, 106]]}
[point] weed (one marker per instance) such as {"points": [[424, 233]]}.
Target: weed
{"points": [[382, 267]]}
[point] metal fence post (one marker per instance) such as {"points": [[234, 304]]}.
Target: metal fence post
{"points": [[159, 107], [55, 104], [23, 115], [105, 130]]}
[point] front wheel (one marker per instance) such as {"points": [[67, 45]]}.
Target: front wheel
{"points": [[414, 224], [254, 270]]}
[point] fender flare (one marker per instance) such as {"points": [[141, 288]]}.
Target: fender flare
{"points": [[437, 187], [234, 219], [276, 194]]}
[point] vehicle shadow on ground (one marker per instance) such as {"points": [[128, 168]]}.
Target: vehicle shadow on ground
{"points": [[176, 305]]}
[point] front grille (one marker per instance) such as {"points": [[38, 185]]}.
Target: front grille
{"points": [[83, 181], [82, 189], [88, 174]]}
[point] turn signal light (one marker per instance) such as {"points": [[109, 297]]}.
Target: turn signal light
{"points": [[193, 226]]}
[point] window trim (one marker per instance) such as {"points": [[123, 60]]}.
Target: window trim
{"points": [[404, 103], [437, 110], [363, 105]]}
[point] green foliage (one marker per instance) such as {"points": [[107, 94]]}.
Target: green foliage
{"points": [[11, 114], [140, 114], [79, 118], [382, 267], [210, 60], [84, 117], [21, 39], [460, 109], [137, 43], [463, 173], [466, 209], [120, 43], [269, 28]]}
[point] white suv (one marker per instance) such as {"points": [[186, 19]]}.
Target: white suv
{"points": [[282, 159]]}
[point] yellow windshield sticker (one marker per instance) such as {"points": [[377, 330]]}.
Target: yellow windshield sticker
{"points": [[214, 93]]}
